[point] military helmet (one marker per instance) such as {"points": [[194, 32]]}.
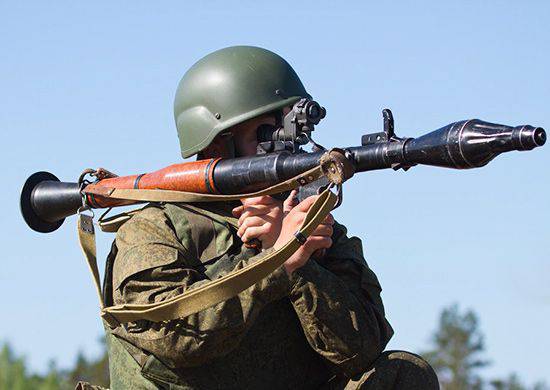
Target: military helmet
{"points": [[230, 86]]}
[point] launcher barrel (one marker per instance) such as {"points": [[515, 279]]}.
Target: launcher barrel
{"points": [[460, 145], [45, 201]]}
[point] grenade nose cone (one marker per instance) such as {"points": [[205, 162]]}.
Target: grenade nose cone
{"points": [[539, 136]]}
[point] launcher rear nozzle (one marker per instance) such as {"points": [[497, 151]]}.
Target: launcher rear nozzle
{"points": [[45, 201]]}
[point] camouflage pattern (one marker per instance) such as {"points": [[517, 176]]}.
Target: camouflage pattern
{"points": [[86, 386], [392, 370], [323, 324]]}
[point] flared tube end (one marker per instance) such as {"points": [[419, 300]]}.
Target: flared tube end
{"points": [[45, 201], [539, 136], [31, 217]]}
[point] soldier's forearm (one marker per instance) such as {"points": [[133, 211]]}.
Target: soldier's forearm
{"points": [[329, 311]]}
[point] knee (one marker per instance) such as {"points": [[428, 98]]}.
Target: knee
{"points": [[412, 371]]}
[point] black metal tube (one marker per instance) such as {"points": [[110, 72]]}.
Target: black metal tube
{"points": [[247, 174], [460, 145], [45, 201], [471, 144]]}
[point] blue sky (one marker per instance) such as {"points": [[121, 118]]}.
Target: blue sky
{"points": [[92, 84]]}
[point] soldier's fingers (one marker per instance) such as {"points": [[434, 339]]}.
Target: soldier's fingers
{"points": [[318, 242], [305, 204], [329, 220], [237, 211], [323, 230], [253, 232], [266, 200], [250, 211], [291, 201], [250, 222]]}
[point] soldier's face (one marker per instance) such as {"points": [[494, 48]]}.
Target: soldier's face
{"points": [[244, 138], [245, 134]]}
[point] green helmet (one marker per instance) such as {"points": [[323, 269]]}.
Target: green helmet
{"points": [[228, 87]]}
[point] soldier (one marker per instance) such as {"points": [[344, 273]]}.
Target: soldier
{"points": [[316, 322]]}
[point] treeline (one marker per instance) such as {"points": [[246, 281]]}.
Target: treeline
{"points": [[457, 354], [14, 374]]}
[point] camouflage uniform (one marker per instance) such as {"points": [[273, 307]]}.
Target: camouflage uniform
{"points": [[323, 327]]}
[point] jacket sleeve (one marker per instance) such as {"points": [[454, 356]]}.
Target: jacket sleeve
{"points": [[152, 265], [337, 300]]}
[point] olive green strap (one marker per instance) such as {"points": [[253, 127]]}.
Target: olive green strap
{"points": [[86, 238], [216, 291], [111, 224], [228, 286]]}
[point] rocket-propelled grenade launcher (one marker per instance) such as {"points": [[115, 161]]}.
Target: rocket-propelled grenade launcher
{"points": [[45, 201]]}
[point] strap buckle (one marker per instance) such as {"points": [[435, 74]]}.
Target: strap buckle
{"points": [[300, 237]]}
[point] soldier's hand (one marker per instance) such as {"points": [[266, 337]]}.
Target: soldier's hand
{"points": [[259, 218], [290, 202], [318, 240]]}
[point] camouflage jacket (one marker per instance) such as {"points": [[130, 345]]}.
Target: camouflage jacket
{"points": [[298, 331]]}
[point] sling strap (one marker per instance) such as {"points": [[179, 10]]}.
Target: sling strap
{"points": [[111, 224], [195, 300], [156, 195]]}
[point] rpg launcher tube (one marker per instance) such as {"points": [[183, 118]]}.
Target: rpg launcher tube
{"points": [[45, 201], [460, 145]]}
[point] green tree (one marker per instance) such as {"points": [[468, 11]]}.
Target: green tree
{"points": [[12, 370], [458, 348], [14, 374], [510, 383], [457, 354], [94, 371], [53, 380]]}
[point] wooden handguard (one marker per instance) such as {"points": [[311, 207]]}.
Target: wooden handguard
{"points": [[195, 176]]}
